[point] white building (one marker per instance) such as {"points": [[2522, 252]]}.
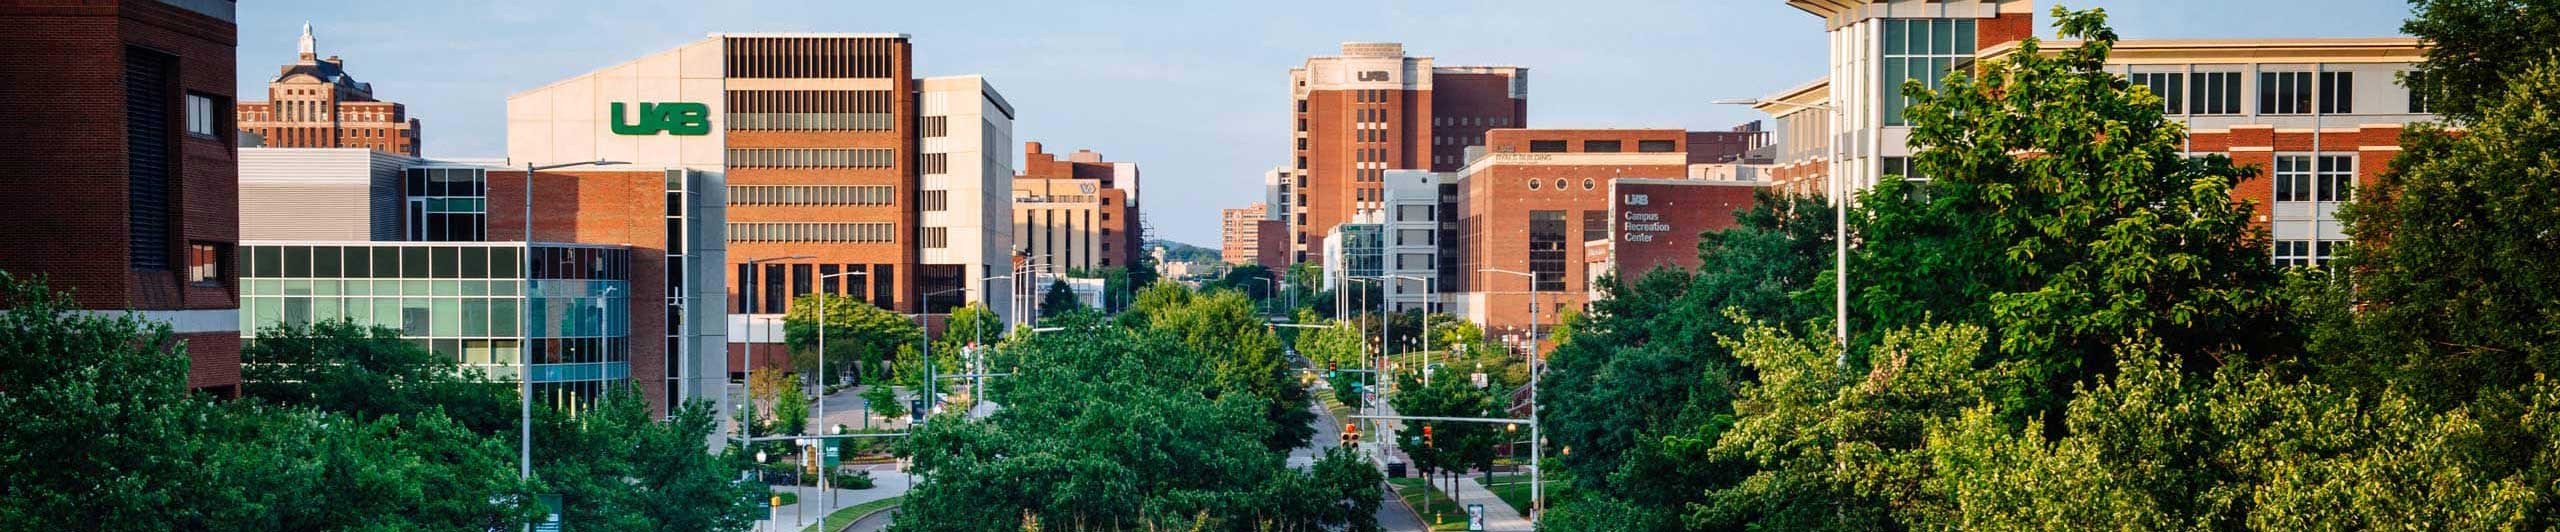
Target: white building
{"points": [[1410, 227], [967, 138]]}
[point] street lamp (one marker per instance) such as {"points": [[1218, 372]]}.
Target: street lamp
{"points": [[823, 374], [524, 322], [926, 308], [1374, 365], [1427, 290], [747, 297], [1537, 484], [1840, 211]]}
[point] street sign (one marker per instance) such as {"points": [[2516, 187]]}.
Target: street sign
{"points": [[550, 514], [915, 410], [1475, 518], [1479, 380], [834, 452]]}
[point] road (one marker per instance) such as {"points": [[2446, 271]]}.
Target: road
{"points": [[1392, 515], [873, 523]]}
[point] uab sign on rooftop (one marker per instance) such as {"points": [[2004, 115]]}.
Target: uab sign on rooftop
{"points": [[683, 119]]}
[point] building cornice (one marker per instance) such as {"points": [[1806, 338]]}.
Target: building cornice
{"points": [[2286, 50]]}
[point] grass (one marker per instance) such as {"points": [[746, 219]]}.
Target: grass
{"points": [[1514, 489], [1443, 513], [843, 518]]}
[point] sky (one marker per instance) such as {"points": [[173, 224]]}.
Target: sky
{"points": [[1195, 92]]}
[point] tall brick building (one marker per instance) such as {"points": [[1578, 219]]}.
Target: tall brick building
{"points": [[1240, 233], [123, 165], [1529, 203], [314, 103], [1373, 109]]}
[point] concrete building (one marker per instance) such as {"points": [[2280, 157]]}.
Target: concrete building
{"points": [[1528, 204], [314, 103], [1373, 109], [122, 153], [967, 181], [1079, 213], [1240, 234], [328, 194], [2316, 116], [1409, 225]]}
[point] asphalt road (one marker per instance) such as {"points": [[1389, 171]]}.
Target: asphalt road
{"points": [[1393, 515], [873, 523]]}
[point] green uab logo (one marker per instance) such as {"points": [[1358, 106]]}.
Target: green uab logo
{"points": [[674, 118]]}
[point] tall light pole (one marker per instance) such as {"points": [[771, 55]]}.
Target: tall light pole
{"points": [[1427, 289], [1372, 362], [1840, 212], [925, 308], [1537, 444], [524, 322], [747, 297], [823, 374]]}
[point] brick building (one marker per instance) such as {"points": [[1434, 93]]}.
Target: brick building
{"points": [[1077, 213], [123, 160], [1655, 223], [314, 103], [1373, 109], [1240, 234], [1529, 202]]}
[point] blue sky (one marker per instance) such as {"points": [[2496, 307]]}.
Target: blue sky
{"points": [[1194, 92]]}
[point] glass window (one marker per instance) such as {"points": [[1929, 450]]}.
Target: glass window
{"points": [[1656, 146], [203, 114], [413, 263], [266, 261], [1546, 146], [324, 262], [297, 261], [1600, 146], [502, 317], [358, 262], [386, 262], [413, 317], [447, 262], [475, 263], [1547, 249], [506, 263], [2336, 180], [2337, 92], [2169, 86], [475, 317], [447, 320], [2284, 93], [2293, 178]]}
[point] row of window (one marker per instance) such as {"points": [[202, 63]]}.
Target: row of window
{"points": [[2315, 178], [810, 121], [812, 158], [1561, 184], [2305, 253], [433, 262], [2279, 93], [812, 232], [868, 195], [1498, 121]]}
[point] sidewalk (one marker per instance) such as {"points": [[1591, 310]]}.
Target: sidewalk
{"points": [[886, 483], [1498, 515]]}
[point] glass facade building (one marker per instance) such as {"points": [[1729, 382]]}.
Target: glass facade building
{"points": [[463, 300]]}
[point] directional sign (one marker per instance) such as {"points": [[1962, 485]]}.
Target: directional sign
{"points": [[1475, 518], [550, 514]]}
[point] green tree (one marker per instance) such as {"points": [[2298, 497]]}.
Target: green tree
{"points": [[790, 407], [883, 400], [617, 467], [1059, 300], [1244, 356], [2108, 232], [369, 372], [2475, 49], [1448, 448], [862, 339]]}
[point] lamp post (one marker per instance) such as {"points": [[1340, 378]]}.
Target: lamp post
{"points": [[979, 388], [747, 297], [1840, 211], [524, 322], [1427, 290], [925, 308], [1537, 475], [823, 374], [1372, 362]]}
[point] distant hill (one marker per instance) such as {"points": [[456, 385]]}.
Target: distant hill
{"points": [[1180, 252]]}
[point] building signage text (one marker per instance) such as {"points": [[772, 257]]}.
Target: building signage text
{"points": [[1375, 75], [1640, 226], [673, 118]]}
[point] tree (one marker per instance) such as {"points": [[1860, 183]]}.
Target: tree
{"points": [[883, 400], [369, 372], [2475, 49], [790, 406], [98, 432], [1244, 356], [1059, 300], [1449, 448], [1106, 428], [861, 338], [616, 467], [2108, 232]]}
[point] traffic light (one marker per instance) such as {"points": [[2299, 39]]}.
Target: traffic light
{"points": [[1426, 437], [1350, 435]]}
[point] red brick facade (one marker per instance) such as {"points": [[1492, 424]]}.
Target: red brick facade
{"points": [[1655, 223], [1497, 202], [624, 208], [1346, 138], [66, 160], [1119, 236], [894, 263]]}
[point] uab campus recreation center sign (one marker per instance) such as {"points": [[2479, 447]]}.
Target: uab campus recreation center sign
{"points": [[1641, 226], [684, 119]]}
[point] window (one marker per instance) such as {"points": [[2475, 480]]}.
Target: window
{"points": [[147, 77], [2337, 92], [2293, 178], [2293, 253], [1588, 183], [1302, 106], [2336, 180], [2169, 86], [1924, 50], [1533, 184], [1657, 146], [1302, 143], [204, 264], [1560, 183], [1302, 125], [2417, 100], [202, 115], [873, 195], [2284, 93], [1546, 250], [2215, 93], [935, 127], [936, 200], [1546, 146], [1600, 146], [1595, 225]]}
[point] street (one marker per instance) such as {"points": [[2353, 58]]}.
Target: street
{"points": [[1392, 515]]}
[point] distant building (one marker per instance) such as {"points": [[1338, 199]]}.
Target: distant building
{"points": [[1372, 109], [1529, 203], [1655, 223], [966, 136], [1080, 213], [120, 164], [1409, 232], [314, 103], [1240, 234]]}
